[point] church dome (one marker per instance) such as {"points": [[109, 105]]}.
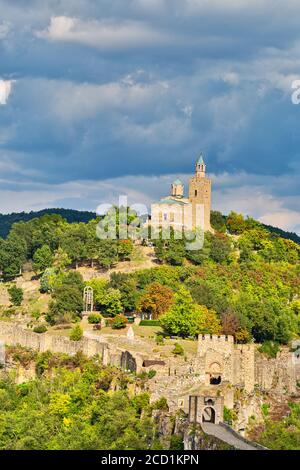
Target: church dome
{"points": [[177, 181]]}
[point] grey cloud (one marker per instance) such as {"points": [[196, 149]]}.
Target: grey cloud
{"points": [[221, 84]]}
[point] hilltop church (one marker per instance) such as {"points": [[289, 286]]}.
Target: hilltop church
{"points": [[190, 213]]}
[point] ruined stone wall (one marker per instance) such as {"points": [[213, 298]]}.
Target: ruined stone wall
{"points": [[13, 334], [244, 368], [276, 375], [239, 365]]}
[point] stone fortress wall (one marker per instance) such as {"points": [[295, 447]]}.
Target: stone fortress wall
{"points": [[13, 334], [219, 368], [241, 365]]}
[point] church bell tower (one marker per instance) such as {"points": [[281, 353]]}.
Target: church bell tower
{"points": [[200, 195]]}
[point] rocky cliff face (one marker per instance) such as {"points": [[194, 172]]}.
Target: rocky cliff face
{"points": [[195, 439], [176, 433]]}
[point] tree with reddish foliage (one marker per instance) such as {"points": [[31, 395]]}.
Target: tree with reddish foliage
{"points": [[230, 323], [231, 326], [156, 300]]}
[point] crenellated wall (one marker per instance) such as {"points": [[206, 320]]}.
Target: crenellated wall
{"points": [[243, 366], [13, 334], [237, 366]]}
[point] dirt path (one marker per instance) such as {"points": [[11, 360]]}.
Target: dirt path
{"points": [[143, 258]]}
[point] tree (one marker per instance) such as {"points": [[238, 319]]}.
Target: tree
{"points": [[230, 323], [42, 259], [108, 253], [220, 248], [74, 242], [127, 285], [47, 281], [61, 260], [171, 251], [67, 299], [218, 221], [235, 223], [75, 279], [16, 295], [209, 322], [107, 299], [188, 319], [12, 256], [111, 302], [156, 301]]}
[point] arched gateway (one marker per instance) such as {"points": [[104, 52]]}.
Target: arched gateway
{"points": [[209, 415]]}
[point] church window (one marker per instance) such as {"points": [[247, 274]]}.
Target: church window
{"points": [[196, 192], [160, 217], [172, 217], [165, 216]]}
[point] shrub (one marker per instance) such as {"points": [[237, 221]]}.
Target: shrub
{"points": [[8, 312], [15, 295], [76, 333], [150, 323], [151, 373], [229, 415], [270, 349], [120, 321], [161, 404], [40, 329], [265, 408], [176, 442], [94, 318], [178, 350], [36, 314], [159, 339]]}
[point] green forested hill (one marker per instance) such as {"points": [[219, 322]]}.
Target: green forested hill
{"points": [[282, 233], [71, 215]]}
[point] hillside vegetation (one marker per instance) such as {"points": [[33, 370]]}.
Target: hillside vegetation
{"points": [[245, 281], [73, 403], [71, 216]]}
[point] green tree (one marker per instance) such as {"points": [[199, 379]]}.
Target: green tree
{"points": [[42, 259], [218, 221], [127, 285], [74, 242], [107, 299], [16, 295], [12, 256], [186, 318], [67, 299], [220, 248], [111, 302]]}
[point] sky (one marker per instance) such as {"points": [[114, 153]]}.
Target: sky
{"points": [[112, 97]]}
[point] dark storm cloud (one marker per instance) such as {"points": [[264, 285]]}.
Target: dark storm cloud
{"points": [[111, 89]]}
